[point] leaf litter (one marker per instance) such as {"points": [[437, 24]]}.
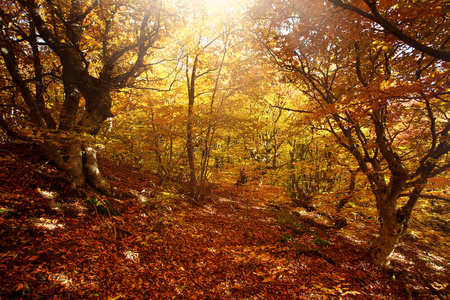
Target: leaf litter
{"points": [[232, 246]]}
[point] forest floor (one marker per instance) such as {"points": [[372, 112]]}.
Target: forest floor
{"points": [[244, 242]]}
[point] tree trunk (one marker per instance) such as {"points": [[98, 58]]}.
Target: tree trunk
{"points": [[384, 245], [393, 222], [94, 175], [98, 105], [70, 145], [75, 161], [78, 173], [189, 127], [191, 161], [69, 110]]}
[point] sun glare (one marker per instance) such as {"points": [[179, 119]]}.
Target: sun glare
{"points": [[219, 3], [217, 6]]}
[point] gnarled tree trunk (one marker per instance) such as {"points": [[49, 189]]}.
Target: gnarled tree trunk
{"points": [[392, 228], [75, 162], [94, 174], [61, 27]]}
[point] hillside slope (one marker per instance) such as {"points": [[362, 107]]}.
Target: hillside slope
{"points": [[242, 243]]}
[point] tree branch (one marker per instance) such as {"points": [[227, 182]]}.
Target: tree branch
{"points": [[428, 196], [291, 109], [397, 32]]}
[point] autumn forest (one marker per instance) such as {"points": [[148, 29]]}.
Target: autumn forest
{"points": [[224, 149]]}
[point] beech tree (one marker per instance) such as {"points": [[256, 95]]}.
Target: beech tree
{"points": [[64, 59], [382, 94]]}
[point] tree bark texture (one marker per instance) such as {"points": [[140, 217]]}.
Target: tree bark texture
{"points": [[393, 225], [94, 174], [75, 161], [189, 128]]}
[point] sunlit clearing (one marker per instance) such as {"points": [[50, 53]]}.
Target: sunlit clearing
{"points": [[352, 239], [61, 207], [56, 206], [435, 262], [142, 198], [259, 207], [47, 223], [221, 199], [47, 194], [209, 210], [61, 279], [132, 255], [399, 257], [141, 195]]}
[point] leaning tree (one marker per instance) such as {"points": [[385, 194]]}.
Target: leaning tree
{"points": [[377, 76], [62, 60]]}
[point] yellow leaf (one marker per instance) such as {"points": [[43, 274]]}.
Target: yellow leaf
{"points": [[351, 293]]}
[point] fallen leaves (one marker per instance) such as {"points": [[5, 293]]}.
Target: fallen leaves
{"points": [[229, 248]]}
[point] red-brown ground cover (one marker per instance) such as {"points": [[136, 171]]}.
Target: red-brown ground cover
{"points": [[240, 243]]}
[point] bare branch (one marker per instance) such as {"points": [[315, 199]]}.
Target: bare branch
{"points": [[291, 109]]}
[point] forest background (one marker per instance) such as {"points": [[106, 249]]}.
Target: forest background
{"points": [[343, 99]]}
